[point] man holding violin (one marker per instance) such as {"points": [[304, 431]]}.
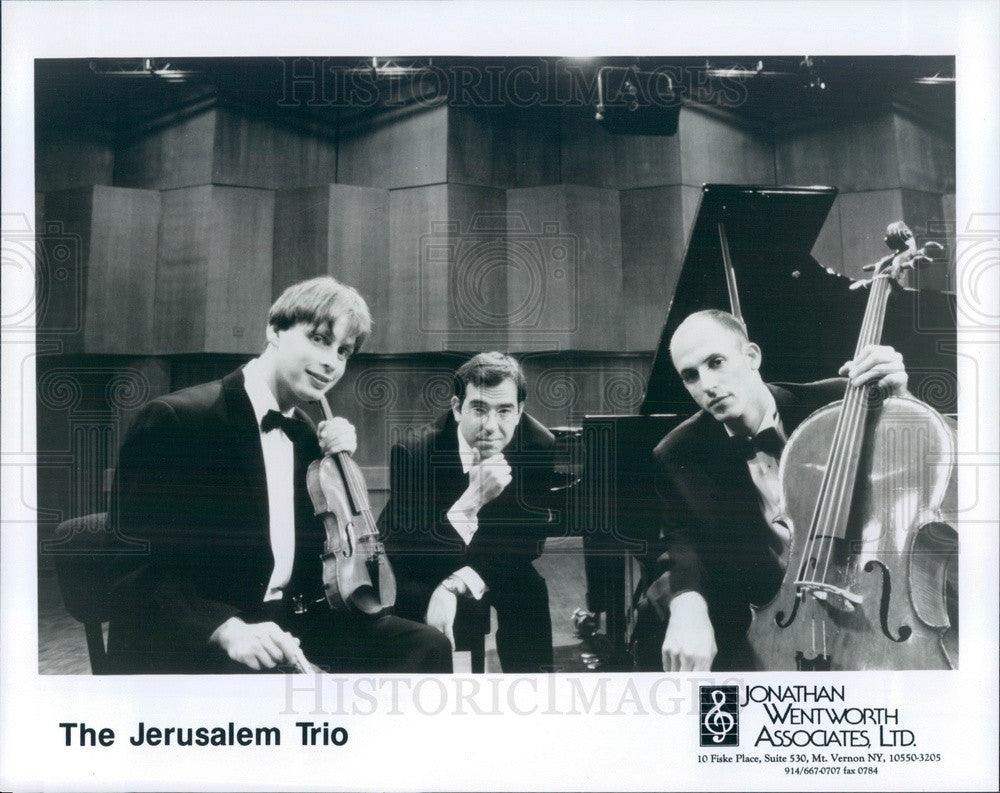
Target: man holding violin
{"points": [[724, 538], [213, 477]]}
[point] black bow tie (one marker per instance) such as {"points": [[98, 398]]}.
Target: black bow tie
{"points": [[296, 429], [767, 441]]}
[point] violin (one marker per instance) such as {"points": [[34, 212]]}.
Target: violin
{"points": [[870, 556], [357, 576]]}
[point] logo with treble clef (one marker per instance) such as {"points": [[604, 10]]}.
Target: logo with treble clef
{"points": [[720, 715]]}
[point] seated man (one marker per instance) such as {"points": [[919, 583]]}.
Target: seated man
{"points": [[725, 538], [470, 506], [213, 477]]}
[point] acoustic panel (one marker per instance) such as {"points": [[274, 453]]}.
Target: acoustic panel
{"points": [[97, 251], [407, 150], [271, 152], [565, 289], [214, 269], [719, 148]]}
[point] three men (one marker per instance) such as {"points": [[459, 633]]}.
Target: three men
{"points": [[724, 534], [213, 477], [470, 506]]}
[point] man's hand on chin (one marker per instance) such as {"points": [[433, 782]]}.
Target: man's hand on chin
{"points": [[487, 478], [689, 644]]}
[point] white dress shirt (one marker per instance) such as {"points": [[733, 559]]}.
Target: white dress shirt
{"points": [[279, 467], [463, 518], [764, 473]]}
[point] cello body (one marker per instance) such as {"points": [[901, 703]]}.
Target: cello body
{"points": [[869, 560], [872, 595]]}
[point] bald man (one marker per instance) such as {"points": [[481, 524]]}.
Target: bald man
{"points": [[724, 536]]}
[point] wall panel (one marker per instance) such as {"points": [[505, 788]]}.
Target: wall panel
{"points": [[592, 156], [479, 268], [214, 270], [178, 155], [497, 149], [852, 156], [926, 154], [403, 151], [99, 255], [64, 163], [416, 317], [572, 251], [121, 280], [653, 243], [718, 149], [338, 230], [301, 235], [864, 217], [271, 153]]}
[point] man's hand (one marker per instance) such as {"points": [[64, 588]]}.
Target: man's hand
{"points": [[879, 364], [689, 645], [487, 479], [441, 612], [337, 435], [260, 645]]}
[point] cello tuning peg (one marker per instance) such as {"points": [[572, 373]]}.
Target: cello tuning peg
{"points": [[858, 285], [869, 267]]}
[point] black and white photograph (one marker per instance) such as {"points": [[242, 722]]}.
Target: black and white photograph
{"points": [[401, 389]]}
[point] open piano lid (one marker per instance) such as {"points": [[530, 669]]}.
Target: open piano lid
{"points": [[803, 315]]}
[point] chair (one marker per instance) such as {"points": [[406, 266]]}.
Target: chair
{"points": [[472, 624], [92, 565]]}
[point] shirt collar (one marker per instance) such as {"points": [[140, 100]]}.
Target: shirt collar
{"points": [[261, 397]]}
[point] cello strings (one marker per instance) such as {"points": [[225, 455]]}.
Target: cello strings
{"points": [[856, 412], [846, 442], [832, 484]]}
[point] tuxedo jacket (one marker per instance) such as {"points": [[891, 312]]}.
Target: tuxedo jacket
{"points": [[426, 479], [714, 539], [190, 480]]}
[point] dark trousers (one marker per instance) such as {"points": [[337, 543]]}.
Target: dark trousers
{"points": [[332, 641], [338, 641], [524, 626], [734, 653]]}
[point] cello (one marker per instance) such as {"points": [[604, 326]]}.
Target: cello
{"points": [[357, 576], [863, 481]]}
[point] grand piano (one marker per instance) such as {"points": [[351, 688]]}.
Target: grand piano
{"points": [[749, 252]]}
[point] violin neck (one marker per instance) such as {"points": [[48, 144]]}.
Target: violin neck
{"points": [[327, 412], [354, 481]]}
